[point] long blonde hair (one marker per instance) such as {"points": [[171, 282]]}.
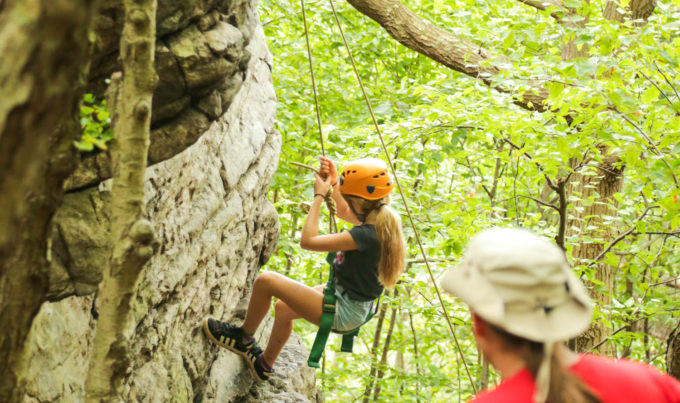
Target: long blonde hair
{"points": [[391, 237]]}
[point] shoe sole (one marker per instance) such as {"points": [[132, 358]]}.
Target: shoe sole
{"points": [[251, 365]]}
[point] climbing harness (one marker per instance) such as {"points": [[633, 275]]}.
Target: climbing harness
{"points": [[398, 185], [327, 316]]}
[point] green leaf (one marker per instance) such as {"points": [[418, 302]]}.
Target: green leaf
{"points": [[83, 145], [555, 89], [650, 95]]}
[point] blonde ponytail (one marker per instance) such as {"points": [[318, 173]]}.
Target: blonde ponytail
{"points": [[391, 237]]}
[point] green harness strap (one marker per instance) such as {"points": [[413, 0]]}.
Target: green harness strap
{"points": [[327, 316]]}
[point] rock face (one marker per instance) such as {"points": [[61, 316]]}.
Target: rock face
{"points": [[201, 59], [213, 156]]}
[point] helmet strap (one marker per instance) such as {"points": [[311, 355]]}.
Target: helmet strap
{"points": [[362, 216]]}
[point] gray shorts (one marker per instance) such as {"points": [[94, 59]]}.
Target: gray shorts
{"points": [[349, 313]]}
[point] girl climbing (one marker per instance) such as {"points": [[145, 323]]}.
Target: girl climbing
{"points": [[370, 257]]}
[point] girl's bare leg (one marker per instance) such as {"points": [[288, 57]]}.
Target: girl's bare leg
{"points": [[300, 301], [284, 316]]}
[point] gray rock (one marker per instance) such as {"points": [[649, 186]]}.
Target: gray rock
{"points": [[164, 114], [199, 65], [171, 84], [208, 206], [226, 40], [79, 246], [211, 105], [57, 350], [229, 88], [198, 52], [177, 134], [91, 169]]}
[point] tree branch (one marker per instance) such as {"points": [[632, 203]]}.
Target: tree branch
{"points": [[657, 87], [649, 140], [620, 237], [562, 227], [667, 80], [456, 53], [542, 203], [544, 5]]}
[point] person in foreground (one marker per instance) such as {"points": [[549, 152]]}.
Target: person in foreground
{"points": [[370, 256], [525, 301]]}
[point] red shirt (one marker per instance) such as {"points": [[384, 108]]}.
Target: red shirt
{"points": [[613, 381]]}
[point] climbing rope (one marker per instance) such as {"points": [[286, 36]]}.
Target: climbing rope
{"points": [[396, 179], [311, 72], [330, 203]]}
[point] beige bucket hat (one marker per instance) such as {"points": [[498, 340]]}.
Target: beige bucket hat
{"points": [[521, 283]]}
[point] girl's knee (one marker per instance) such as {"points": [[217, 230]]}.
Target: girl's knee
{"points": [[283, 311], [281, 307], [266, 279]]}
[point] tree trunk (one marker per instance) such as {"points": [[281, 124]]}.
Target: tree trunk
{"points": [[383, 358], [673, 353], [131, 234], [416, 356], [484, 377], [601, 184], [639, 10], [374, 350], [46, 48], [570, 50]]}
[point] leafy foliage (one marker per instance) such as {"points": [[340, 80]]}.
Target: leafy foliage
{"points": [[96, 124], [468, 158]]}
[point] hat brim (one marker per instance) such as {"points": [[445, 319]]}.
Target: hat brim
{"points": [[568, 320]]}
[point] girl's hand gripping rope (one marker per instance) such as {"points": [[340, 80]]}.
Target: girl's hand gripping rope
{"points": [[322, 186], [327, 169]]}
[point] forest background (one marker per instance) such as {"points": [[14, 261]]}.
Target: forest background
{"points": [[567, 125], [557, 116]]}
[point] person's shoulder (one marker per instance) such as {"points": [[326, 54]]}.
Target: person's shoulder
{"points": [[363, 230], [364, 236], [517, 389], [618, 366], [626, 378]]}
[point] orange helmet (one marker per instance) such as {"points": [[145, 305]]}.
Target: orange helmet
{"points": [[366, 178]]}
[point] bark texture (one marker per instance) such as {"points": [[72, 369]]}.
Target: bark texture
{"points": [[591, 223], [638, 10], [131, 232], [673, 353], [47, 43], [458, 54]]}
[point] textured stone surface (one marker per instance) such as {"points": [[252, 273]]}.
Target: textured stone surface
{"points": [[201, 58], [57, 349], [78, 246], [216, 228]]}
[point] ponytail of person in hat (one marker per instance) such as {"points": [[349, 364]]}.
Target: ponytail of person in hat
{"points": [[369, 258], [525, 301]]}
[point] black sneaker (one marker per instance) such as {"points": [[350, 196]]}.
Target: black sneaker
{"points": [[231, 338], [260, 373]]}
